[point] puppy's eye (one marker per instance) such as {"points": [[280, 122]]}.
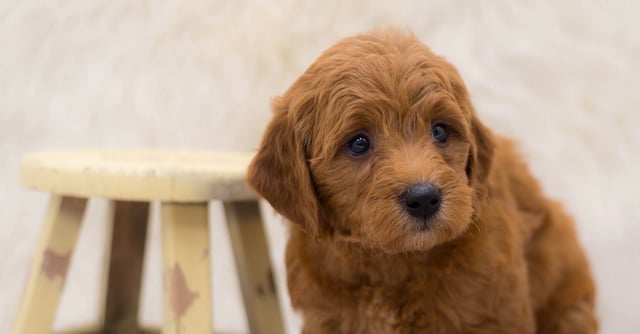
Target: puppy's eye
{"points": [[359, 145], [439, 133]]}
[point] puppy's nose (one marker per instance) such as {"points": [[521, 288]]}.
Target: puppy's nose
{"points": [[422, 200]]}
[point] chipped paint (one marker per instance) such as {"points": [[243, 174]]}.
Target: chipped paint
{"points": [[55, 264], [179, 296], [205, 254]]}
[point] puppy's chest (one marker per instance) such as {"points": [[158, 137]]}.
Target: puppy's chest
{"points": [[372, 312], [432, 306], [402, 309]]}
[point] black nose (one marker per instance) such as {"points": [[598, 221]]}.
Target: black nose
{"points": [[422, 200]]}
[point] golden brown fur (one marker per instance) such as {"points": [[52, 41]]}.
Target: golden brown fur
{"points": [[498, 257]]}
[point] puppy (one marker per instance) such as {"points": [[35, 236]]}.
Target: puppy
{"points": [[408, 215]]}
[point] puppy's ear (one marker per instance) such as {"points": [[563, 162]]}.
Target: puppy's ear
{"points": [[480, 157], [279, 172]]}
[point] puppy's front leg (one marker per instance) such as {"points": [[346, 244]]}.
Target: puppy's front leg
{"points": [[561, 286], [570, 311]]}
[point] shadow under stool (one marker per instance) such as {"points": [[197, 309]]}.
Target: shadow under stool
{"points": [[183, 182]]}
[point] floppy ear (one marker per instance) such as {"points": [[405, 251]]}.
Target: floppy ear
{"points": [[480, 157], [279, 172], [481, 138]]}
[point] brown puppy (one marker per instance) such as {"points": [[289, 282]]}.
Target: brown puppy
{"points": [[407, 214]]}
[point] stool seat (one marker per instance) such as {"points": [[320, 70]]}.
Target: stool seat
{"points": [[163, 175]]}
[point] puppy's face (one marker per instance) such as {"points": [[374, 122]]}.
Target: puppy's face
{"points": [[377, 144]]}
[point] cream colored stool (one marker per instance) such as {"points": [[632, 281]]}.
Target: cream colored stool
{"points": [[184, 182]]}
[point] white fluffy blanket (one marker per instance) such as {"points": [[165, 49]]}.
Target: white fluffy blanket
{"points": [[561, 76]]}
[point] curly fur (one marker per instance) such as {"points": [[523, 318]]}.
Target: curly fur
{"points": [[499, 256]]}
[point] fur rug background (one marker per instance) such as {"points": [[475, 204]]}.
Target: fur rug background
{"points": [[561, 77]]}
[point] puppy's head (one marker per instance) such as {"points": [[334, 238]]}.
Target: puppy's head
{"points": [[376, 143]]}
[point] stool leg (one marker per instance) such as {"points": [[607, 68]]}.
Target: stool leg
{"points": [[130, 220], [187, 270], [49, 268], [254, 267]]}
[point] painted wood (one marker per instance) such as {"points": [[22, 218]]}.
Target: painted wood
{"points": [[51, 261], [186, 269], [184, 182], [128, 238], [251, 254], [95, 330], [140, 175]]}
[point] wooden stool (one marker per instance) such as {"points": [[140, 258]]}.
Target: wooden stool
{"points": [[184, 182]]}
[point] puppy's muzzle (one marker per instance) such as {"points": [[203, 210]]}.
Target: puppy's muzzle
{"points": [[421, 200]]}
